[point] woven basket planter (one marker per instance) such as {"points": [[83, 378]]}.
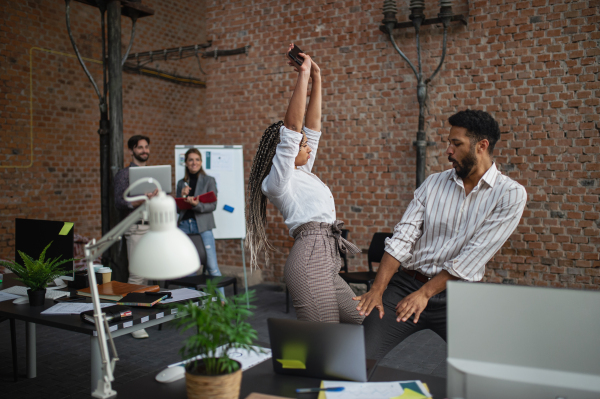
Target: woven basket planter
{"points": [[225, 386]]}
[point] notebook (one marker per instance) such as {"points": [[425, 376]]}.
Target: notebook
{"points": [[113, 313], [115, 290], [205, 198], [142, 299]]}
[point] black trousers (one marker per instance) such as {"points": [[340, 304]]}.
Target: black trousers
{"points": [[382, 335]]}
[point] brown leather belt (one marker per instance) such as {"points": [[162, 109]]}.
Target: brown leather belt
{"points": [[418, 276]]}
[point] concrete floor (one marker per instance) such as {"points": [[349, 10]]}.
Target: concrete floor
{"points": [[63, 358]]}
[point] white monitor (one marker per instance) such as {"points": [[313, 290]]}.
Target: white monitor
{"points": [[522, 342], [161, 173]]}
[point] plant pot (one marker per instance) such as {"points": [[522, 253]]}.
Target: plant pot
{"points": [[225, 386], [36, 298]]}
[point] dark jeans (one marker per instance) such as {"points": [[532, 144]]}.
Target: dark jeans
{"points": [[382, 335]]}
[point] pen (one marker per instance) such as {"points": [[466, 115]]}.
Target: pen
{"points": [[311, 390]]}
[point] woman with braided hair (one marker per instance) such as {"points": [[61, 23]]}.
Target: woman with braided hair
{"points": [[281, 172]]}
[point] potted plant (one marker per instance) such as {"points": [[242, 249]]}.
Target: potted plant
{"points": [[220, 326], [37, 273]]}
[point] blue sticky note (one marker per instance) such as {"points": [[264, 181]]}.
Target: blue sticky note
{"points": [[228, 208]]}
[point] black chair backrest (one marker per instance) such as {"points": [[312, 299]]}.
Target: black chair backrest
{"points": [[344, 256], [377, 248], [199, 244]]}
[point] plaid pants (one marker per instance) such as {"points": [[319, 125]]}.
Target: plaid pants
{"points": [[312, 275]]}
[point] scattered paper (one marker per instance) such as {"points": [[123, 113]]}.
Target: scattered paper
{"points": [[182, 294], [8, 297], [363, 390], [72, 308], [246, 358]]}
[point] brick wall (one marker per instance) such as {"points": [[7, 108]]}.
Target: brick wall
{"points": [[62, 182], [533, 65]]}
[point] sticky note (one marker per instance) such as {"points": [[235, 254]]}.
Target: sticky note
{"points": [[65, 229], [322, 394], [410, 394], [228, 208], [292, 364]]}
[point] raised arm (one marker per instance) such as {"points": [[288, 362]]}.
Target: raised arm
{"points": [[313, 113], [294, 117]]}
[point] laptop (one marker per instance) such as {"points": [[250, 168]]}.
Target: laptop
{"points": [[162, 174], [321, 350]]}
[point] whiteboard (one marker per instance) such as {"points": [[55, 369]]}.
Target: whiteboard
{"points": [[226, 164]]}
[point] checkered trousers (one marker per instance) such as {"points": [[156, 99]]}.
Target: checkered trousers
{"points": [[312, 275]]}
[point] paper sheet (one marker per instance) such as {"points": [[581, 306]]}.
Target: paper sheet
{"points": [[246, 358], [182, 294], [376, 390], [8, 297], [72, 308], [363, 390]]}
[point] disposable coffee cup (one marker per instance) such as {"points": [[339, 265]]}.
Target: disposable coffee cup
{"points": [[106, 273]]}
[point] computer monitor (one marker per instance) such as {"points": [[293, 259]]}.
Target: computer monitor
{"points": [[32, 236], [522, 342]]}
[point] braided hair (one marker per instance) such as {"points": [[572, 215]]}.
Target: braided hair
{"points": [[256, 217]]}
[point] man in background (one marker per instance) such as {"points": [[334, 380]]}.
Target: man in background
{"points": [[139, 148]]}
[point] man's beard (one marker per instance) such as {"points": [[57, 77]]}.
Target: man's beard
{"points": [[464, 168], [142, 157]]}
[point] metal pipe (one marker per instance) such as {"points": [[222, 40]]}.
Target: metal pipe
{"points": [[68, 12], [103, 132], [115, 92], [133, 21]]}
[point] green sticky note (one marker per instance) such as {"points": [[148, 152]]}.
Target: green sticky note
{"points": [[292, 364], [65, 229]]}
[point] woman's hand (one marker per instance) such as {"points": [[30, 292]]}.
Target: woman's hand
{"points": [[315, 71], [185, 191], [192, 201], [306, 65]]}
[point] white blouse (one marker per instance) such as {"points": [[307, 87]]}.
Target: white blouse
{"points": [[300, 196]]}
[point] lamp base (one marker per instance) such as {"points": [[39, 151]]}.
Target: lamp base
{"points": [[104, 390]]}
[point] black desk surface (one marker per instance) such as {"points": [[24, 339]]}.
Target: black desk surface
{"points": [[73, 323], [262, 379]]}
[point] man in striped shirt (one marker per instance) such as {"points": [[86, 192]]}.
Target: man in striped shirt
{"points": [[456, 222]]}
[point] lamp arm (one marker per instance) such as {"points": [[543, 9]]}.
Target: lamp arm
{"points": [[443, 55], [116, 233], [402, 54]]}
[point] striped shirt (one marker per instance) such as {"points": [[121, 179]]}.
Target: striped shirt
{"points": [[443, 229]]}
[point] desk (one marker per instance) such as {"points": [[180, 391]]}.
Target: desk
{"points": [[262, 379], [142, 318]]}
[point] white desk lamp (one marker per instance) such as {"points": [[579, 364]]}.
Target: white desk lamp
{"points": [[164, 252]]}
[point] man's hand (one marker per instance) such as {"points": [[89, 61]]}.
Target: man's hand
{"points": [[370, 301], [414, 303], [152, 194]]}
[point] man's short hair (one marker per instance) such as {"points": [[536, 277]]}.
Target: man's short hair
{"points": [[134, 140], [479, 124]]}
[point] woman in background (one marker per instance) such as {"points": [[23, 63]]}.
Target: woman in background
{"points": [[282, 172], [199, 219]]}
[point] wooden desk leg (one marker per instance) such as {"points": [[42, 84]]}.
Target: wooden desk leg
{"points": [[96, 362], [31, 350]]}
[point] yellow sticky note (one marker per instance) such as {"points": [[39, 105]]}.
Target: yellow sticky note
{"points": [[322, 394], [409, 394], [65, 229], [292, 364]]}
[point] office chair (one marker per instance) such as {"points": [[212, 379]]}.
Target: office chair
{"points": [[344, 267], [376, 251], [199, 281]]}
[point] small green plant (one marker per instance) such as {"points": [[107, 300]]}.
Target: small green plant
{"points": [[218, 324], [37, 273]]}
